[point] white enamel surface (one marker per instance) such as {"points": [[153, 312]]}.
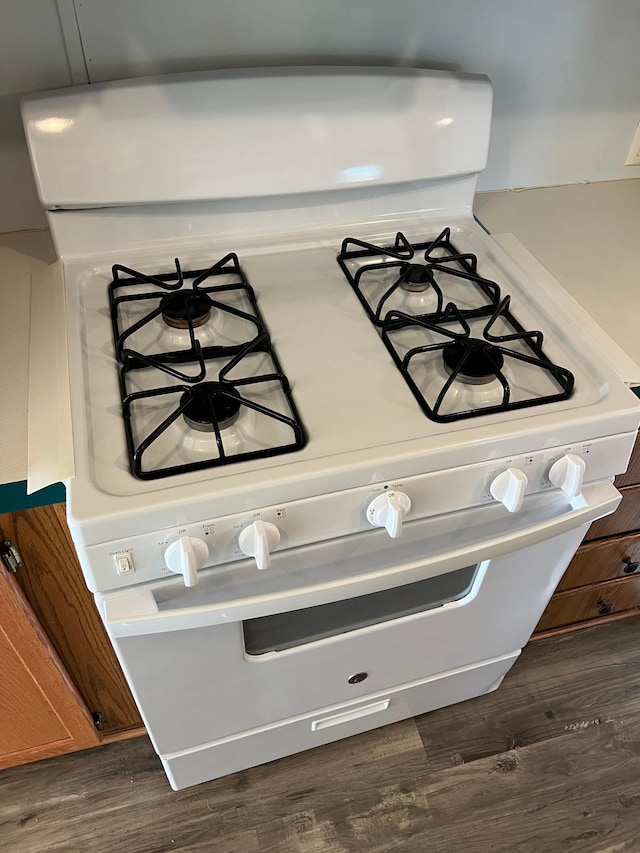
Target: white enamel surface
{"points": [[363, 422], [341, 512], [347, 567], [166, 689], [257, 133], [266, 743]]}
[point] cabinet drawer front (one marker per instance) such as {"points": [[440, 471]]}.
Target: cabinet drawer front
{"points": [[603, 561], [625, 519], [568, 608], [632, 476]]}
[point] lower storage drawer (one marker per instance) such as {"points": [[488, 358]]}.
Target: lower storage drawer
{"points": [[603, 561], [247, 749], [580, 605]]}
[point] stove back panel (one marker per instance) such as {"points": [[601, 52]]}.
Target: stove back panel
{"points": [[254, 133]]}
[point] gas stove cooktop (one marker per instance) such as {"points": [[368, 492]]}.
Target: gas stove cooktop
{"points": [[201, 385]]}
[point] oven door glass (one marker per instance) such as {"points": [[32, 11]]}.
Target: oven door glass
{"points": [[287, 630]]}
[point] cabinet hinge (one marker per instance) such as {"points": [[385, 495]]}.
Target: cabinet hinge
{"points": [[10, 555]]}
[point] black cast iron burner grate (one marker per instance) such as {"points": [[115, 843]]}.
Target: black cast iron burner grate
{"points": [[194, 287], [414, 267], [474, 361], [213, 400]]}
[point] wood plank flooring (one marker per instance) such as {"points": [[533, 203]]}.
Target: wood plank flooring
{"points": [[549, 762]]}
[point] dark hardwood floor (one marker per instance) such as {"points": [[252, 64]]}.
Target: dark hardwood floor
{"points": [[549, 762]]}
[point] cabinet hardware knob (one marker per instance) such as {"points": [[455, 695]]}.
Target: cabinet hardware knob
{"points": [[605, 607], [630, 566]]}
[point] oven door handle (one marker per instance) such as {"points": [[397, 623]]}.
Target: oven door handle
{"points": [[136, 612]]}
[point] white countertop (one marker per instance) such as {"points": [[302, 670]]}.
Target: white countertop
{"points": [[21, 254], [586, 235]]}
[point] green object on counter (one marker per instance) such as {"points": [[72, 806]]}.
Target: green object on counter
{"points": [[13, 496]]}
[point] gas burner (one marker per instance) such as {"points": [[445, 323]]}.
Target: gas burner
{"points": [[184, 307], [209, 403], [385, 277], [182, 317], [473, 361], [461, 367], [416, 278]]}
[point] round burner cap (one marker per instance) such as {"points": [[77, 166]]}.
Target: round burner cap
{"points": [[180, 306], [415, 277], [210, 400], [483, 360]]}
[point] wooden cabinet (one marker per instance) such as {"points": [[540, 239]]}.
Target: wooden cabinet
{"points": [[603, 579], [41, 712], [52, 582]]}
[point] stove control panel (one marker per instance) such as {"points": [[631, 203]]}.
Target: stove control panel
{"points": [[262, 533]]}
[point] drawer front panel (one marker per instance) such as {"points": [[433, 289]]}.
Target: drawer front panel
{"points": [[575, 606], [248, 749], [625, 519], [603, 561]]}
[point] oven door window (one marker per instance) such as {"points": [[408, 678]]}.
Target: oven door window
{"points": [[297, 627]]}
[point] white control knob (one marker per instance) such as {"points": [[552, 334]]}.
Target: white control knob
{"points": [[258, 540], [388, 510], [185, 556], [508, 488], [568, 474]]}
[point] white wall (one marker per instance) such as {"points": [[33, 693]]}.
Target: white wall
{"points": [[565, 72], [32, 57]]}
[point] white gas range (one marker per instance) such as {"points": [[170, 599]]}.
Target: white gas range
{"points": [[323, 426]]}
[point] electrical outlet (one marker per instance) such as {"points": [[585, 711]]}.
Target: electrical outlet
{"points": [[633, 157]]}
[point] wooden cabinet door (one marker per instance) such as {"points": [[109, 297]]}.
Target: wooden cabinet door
{"points": [[52, 581], [41, 712]]}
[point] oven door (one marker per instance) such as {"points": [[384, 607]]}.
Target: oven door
{"points": [[368, 615]]}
